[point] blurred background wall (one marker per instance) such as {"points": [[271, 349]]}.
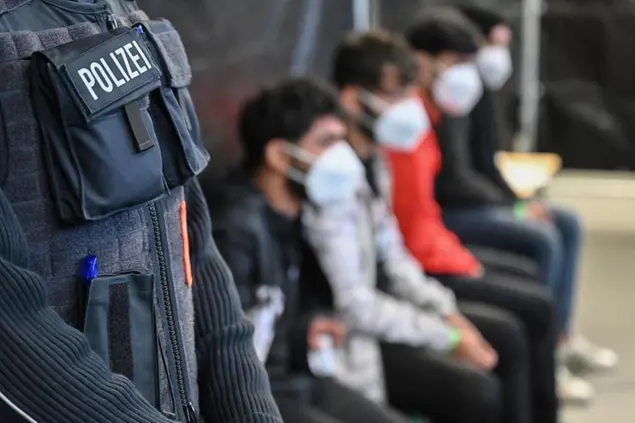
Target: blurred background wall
{"points": [[588, 71], [236, 46], [587, 103]]}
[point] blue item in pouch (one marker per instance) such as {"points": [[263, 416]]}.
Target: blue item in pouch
{"points": [[89, 269]]}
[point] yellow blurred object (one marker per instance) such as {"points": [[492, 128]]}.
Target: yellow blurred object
{"points": [[526, 173]]}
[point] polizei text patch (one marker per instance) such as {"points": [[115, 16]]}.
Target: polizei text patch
{"points": [[111, 70]]}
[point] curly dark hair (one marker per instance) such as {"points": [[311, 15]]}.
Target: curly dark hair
{"points": [[287, 111], [484, 19], [437, 33], [360, 57]]}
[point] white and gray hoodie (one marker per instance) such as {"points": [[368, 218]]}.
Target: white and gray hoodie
{"points": [[348, 239]]}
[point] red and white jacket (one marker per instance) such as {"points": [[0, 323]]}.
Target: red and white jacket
{"points": [[413, 174]]}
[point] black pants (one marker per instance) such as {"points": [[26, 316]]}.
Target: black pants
{"points": [[506, 262], [331, 402], [450, 391], [530, 303]]}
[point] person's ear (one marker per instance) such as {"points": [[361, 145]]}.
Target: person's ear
{"points": [[349, 100], [427, 68], [501, 35], [277, 156], [390, 78]]}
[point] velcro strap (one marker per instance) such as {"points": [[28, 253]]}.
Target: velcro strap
{"points": [[142, 139], [119, 330]]}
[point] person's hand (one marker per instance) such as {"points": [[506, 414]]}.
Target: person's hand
{"points": [[478, 273], [460, 322], [538, 211], [326, 326], [475, 274], [474, 350], [472, 347]]}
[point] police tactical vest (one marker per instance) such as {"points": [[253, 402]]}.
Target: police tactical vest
{"points": [[98, 137]]}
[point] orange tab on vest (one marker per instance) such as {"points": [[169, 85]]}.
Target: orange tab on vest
{"points": [[189, 279]]}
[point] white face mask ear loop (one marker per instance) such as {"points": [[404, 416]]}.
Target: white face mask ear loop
{"points": [[437, 67], [296, 176], [367, 120], [375, 103], [368, 103], [365, 97], [297, 153]]}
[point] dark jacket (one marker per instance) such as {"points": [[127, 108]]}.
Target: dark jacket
{"points": [[469, 176], [156, 258], [263, 248]]}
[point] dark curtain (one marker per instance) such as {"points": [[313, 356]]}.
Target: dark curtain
{"points": [[237, 46], [587, 109], [588, 71]]}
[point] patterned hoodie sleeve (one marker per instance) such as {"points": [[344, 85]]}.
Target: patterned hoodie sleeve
{"points": [[407, 279], [333, 235]]}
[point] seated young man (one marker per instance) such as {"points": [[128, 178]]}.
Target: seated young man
{"points": [[549, 234], [474, 200], [286, 131], [383, 293]]}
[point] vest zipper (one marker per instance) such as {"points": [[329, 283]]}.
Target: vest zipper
{"points": [[188, 407]]}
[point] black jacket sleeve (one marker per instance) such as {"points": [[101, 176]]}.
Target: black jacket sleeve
{"points": [[459, 183], [236, 246], [495, 176], [234, 384], [47, 369], [487, 132]]}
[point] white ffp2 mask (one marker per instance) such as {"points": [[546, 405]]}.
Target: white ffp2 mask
{"points": [[495, 66], [457, 89], [333, 177], [402, 125]]}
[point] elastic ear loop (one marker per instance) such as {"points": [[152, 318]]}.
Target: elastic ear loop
{"points": [[297, 153], [368, 120]]}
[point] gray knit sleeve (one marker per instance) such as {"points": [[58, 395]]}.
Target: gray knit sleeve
{"points": [[47, 370]]}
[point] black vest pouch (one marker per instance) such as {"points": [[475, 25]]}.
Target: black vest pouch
{"points": [[119, 323], [91, 98], [184, 155]]}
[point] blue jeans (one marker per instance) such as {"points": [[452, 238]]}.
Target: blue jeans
{"points": [[554, 245]]}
